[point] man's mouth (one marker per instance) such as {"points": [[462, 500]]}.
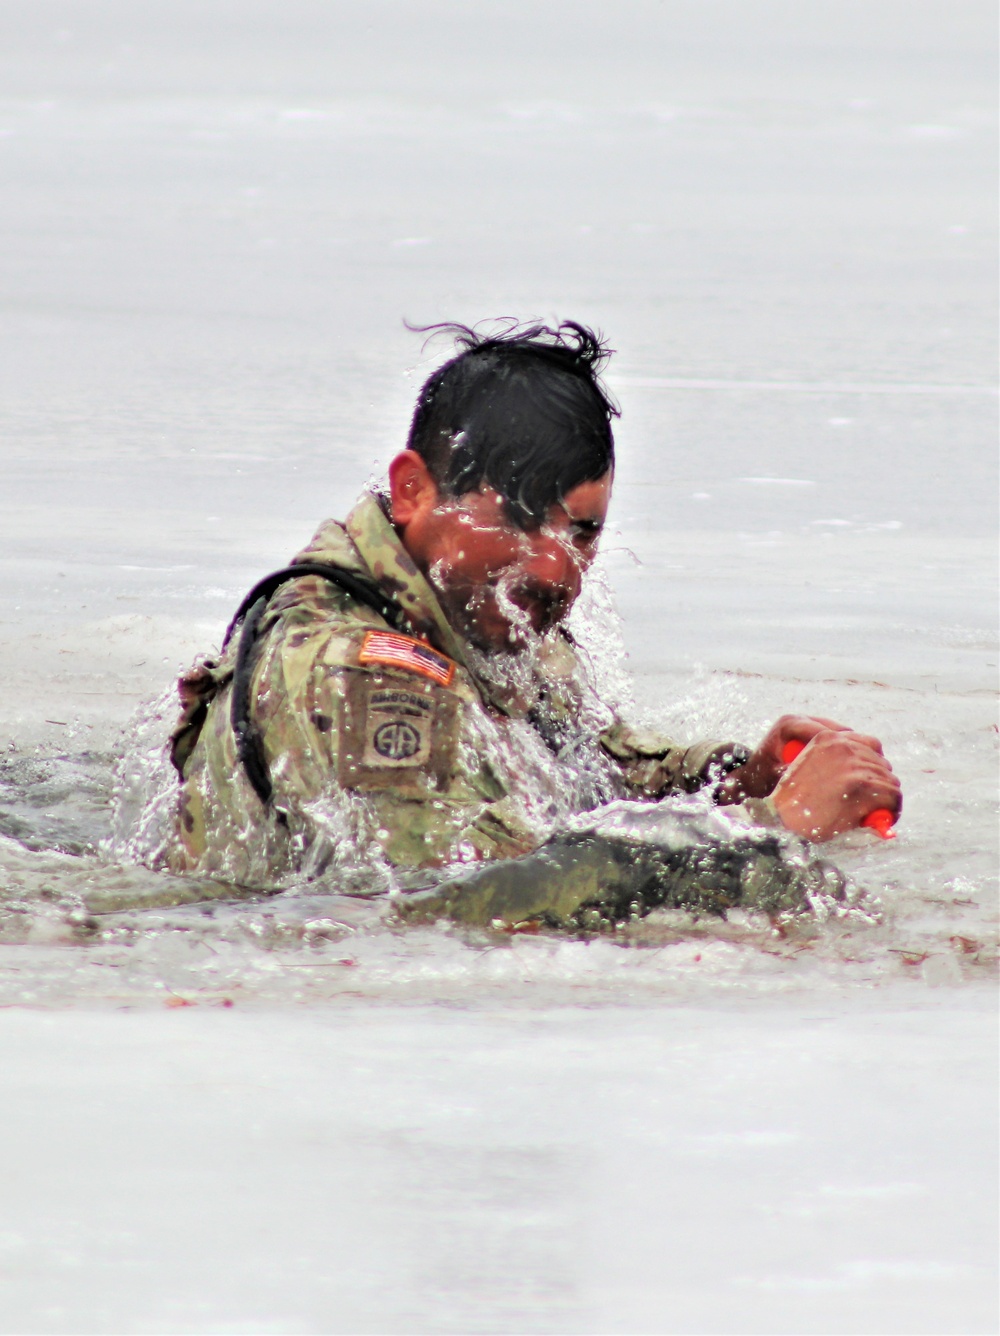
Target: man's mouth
{"points": [[544, 608], [504, 610]]}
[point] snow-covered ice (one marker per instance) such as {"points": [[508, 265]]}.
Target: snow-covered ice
{"points": [[811, 1168]]}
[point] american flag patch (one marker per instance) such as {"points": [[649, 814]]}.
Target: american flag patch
{"points": [[396, 651]]}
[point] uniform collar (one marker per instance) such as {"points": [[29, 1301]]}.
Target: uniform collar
{"points": [[396, 572]]}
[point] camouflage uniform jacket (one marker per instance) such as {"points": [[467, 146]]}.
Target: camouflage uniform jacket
{"points": [[393, 746]]}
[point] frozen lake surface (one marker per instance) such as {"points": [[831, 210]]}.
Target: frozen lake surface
{"points": [[804, 1168], [289, 1116]]}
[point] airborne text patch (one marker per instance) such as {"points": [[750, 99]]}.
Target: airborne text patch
{"points": [[394, 731]]}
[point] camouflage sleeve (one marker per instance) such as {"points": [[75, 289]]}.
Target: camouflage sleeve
{"points": [[386, 733], [592, 881], [654, 765]]}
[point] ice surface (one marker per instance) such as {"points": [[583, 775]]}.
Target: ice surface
{"points": [[215, 219], [369, 1169]]}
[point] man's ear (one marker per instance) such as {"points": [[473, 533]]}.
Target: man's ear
{"points": [[411, 487]]}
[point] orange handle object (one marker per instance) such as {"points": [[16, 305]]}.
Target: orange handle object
{"points": [[881, 821]]}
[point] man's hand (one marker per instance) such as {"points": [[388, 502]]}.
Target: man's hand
{"points": [[757, 779], [831, 787]]}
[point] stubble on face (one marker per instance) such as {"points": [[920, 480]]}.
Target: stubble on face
{"points": [[504, 587], [498, 615]]}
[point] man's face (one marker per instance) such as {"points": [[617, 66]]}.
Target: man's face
{"points": [[499, 583]]}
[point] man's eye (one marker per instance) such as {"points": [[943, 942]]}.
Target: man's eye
{"points": [[585, 532]]}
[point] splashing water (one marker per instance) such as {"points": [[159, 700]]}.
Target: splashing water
{"points": [[94, 914]]}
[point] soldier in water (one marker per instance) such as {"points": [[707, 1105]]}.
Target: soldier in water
{"points": [[406, 697]]}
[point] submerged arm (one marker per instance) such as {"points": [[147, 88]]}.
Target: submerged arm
{"points": [[592, 880]]}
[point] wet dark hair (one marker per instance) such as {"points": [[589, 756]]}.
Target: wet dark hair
{"points": [[522, 410]]}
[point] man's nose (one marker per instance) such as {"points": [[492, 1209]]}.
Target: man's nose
{"points": [[555, 564]]}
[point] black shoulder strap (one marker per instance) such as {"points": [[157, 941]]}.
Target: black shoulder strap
{"points": [[249, 744], [365, 591]]}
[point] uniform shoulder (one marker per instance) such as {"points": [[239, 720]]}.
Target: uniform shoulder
{"points": [[331, 545], [311, 601]]}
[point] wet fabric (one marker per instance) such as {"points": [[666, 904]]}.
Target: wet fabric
{"points": [[593, 881], [393, 750]]}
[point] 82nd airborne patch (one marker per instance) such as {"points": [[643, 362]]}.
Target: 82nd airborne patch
{"points": [[395, 732]]}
